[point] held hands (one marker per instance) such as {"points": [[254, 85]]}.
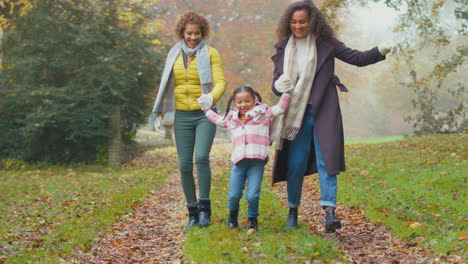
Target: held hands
{"points": [[386, 47], [205, 101], [283, 84]]}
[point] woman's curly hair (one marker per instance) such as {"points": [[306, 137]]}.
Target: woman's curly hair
{"points": [[319, 26], [192, 18]]}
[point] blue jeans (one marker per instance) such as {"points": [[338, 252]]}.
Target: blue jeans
{"points": [[299, 150], [250, 170]]}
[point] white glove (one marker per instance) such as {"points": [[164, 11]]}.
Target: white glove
{"points": [[205, 101], [257, 112], [283, 84], [386, 47]]}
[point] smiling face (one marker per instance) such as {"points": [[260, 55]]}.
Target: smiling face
{"points": [[244, 102], [300, 24], [192, 35]]}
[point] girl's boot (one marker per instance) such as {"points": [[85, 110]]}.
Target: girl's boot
{"points": [[292, 218], [193, 217], [253, 223], [232, 221], [204, 213]]}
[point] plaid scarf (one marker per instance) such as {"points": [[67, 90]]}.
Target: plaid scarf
{"points": [[287, 126], [164, 102]]}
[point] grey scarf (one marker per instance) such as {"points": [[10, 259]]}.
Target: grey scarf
{"points": [[164, 102]]}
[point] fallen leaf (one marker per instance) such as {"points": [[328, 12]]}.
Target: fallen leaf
{"points": [[117, 242], [251, 231], [415, 225], [463, 235]]}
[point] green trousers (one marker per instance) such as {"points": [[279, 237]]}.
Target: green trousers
{"points": [[194, 134]]}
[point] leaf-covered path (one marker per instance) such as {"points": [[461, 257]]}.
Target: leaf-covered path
{"points": [[153, 232]]}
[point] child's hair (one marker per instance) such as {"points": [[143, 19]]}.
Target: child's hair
{"points": [[238, 90]]}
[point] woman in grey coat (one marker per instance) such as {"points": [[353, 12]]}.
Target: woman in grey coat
{"points": [[309, 137]]}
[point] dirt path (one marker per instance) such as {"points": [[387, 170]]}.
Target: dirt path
{"points": [[153, 232]]}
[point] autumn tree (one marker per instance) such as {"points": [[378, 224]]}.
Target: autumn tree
{"points": [[431, 61], [74, 65], [10, 11], [435, 27]]}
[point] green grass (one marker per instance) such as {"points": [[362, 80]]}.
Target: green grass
{"points": [[416, 186], [272, 244], [47, 213], [374, 140]]}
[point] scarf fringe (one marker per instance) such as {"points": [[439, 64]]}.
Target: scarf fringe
{"points": [[291, 133]]}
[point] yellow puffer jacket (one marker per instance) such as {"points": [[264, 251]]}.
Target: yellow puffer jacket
{"points": [[187, 83]]}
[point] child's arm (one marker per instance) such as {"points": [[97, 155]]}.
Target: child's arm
{"points": [[281, 106], [215, 118]]}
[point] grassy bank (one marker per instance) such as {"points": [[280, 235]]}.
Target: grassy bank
{"points": [[416, 186], [48, 212]]}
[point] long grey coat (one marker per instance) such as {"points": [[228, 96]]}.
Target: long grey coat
{"points": [[327, 114]]}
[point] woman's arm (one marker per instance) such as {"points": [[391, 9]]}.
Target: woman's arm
{"points": [[278, 60], [356, 57], [217, 73]]}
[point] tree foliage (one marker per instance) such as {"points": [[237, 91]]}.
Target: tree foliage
{"points": [[431, 62], [11, 10], [433, 47], [68, 64], [434, 25]]}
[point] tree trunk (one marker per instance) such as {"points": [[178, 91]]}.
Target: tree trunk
{"points": [[115, 142]]}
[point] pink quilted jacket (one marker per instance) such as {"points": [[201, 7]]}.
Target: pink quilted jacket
{"points": [[250, 138]]}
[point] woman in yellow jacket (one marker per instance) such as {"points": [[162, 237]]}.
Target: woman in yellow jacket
{"points": [[192, 68]]}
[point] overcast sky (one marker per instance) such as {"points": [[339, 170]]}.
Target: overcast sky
{"points": [[374, 22]]}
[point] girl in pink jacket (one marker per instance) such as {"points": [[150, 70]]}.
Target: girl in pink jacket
{"points": [[248, 124]]}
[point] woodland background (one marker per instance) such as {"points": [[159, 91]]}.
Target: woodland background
{"points": [[77, 82], [78, 78]]}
